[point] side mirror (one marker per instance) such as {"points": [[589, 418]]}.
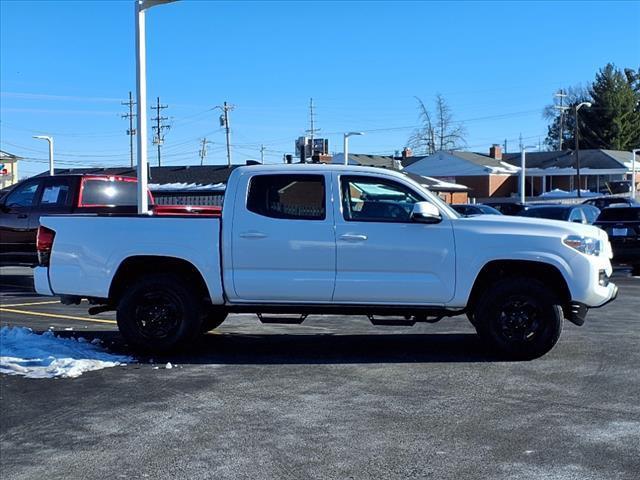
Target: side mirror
{"points": [[425, 212]]}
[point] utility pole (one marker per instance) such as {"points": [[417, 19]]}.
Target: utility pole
{"points": [[562, 109], [203, 150], [158, 137], [131, 131], [262, 149], [505, 145], [224, 122], [312, 130]]}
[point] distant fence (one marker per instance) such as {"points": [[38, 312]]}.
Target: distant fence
{"points": [[189, 197]]}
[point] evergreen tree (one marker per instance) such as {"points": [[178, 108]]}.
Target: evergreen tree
{"points": [[613, 121]]}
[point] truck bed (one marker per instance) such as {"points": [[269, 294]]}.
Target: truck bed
{"points": [[89, 249]]}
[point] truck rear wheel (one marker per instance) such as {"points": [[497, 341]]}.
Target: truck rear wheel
{"points": [[158, 313], [520, 317]]}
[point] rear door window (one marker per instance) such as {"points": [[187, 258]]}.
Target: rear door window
{"points": [[56, 194], [294, 197]]}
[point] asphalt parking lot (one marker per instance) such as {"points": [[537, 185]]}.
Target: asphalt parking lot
{"points": [[333, 398]]}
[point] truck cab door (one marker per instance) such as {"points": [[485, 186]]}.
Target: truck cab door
{"points": [[17, 241], [282, 239], [383, 256]]}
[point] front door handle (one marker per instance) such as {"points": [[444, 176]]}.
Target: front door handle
{"points": [[23, 215], [256, 235], [352, 237]]}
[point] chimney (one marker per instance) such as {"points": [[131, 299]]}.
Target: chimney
{"points": [[495, 151], [407, 152]]}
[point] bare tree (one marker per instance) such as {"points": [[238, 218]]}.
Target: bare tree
{"points": [[439, 131]]}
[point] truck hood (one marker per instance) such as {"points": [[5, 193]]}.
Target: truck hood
{"points": [[529, 226]]}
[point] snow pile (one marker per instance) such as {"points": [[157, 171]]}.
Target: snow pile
{"points": [[23, 352], [557, 193], [157, 187]]}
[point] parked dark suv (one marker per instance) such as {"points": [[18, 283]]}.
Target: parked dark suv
{"points": [[22, 206], [586, 214], [622, 224]]}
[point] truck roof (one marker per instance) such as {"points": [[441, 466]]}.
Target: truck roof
{"points": [[319, 168]]}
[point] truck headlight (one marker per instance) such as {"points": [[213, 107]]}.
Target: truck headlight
{"points": [[586, 245]]}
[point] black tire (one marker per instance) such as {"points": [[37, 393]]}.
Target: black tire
{"points": [[519, 317], [213, 319], [159, 313]]}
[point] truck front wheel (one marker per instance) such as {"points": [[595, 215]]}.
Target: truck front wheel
{"points": [[159, 313], [520, 317]]}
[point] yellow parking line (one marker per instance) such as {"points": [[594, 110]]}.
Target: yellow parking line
{"points": [[30, 303], [55, 315]]}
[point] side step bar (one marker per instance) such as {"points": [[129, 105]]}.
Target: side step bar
{"points": [[292, 320]]}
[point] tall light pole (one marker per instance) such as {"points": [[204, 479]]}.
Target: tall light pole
{"points": [[141, 105], [523, 163], [634, 152], [577, 135], [346, 145], [50, 140]]}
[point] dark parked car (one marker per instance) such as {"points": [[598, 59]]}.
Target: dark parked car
{"points": [[622, 224], [22, 206], [513, 208], [604, 202], [586, 214], [474, 209], [508, 208]]}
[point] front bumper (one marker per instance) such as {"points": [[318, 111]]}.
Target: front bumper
{"points": [[576, 312]]}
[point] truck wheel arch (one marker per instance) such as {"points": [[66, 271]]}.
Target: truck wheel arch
{"points": [[498, 269], [134, 267]]}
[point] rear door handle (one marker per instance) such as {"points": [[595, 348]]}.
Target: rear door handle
{"points": [[256, 235], [351, 237], [23, 215]]}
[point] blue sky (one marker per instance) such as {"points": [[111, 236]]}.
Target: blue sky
{"points": [[66, 66]]}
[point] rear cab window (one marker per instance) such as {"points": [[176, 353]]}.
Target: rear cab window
{"points": [[108, 192], [293, 197]]}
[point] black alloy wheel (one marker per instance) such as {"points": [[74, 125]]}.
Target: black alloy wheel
{"points": [[519, 317]]}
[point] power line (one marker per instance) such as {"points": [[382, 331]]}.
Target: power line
{"points": [[131, 131], [159, 127]]}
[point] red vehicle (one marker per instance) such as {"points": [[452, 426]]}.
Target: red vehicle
{"points": [[22, 206]]}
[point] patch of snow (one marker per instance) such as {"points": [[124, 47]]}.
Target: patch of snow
{"points": [[185, 186], [558, 193], [168, 366], [23, 352]]}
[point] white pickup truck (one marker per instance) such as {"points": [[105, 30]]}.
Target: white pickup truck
{"points": [[328, 239]]}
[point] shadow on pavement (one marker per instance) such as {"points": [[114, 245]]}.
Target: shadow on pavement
{"points": [[236, 348]]}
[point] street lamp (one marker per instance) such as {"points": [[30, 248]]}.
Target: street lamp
{"points": [[523, 152], [634, 152], [577, 135], [346, 145], [50, 140], [141, 92]]}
